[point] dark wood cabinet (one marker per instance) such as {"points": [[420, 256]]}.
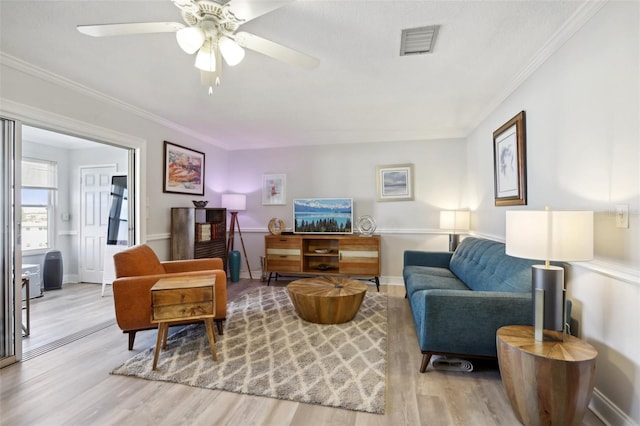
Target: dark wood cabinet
{"points": [[198, 233]]}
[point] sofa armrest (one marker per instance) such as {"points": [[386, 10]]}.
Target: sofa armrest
{"points": [[465, 322], [173, 266], [436, 259]]}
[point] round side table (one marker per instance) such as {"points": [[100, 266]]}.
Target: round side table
{"points": [[548, 382]]}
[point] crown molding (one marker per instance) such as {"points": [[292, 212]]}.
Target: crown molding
{"points": [[580, 17], [42, 74]]}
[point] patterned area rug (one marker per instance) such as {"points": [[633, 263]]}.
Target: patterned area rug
{"points": [[267, 350]]}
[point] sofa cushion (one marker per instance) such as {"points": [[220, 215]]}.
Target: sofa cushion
{"points": [[426, 277], [484, 266], [137, 261]]}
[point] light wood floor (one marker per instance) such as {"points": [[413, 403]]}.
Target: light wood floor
{"points": [[71, 385]]}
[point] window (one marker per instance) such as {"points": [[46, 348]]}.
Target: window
{"points": [[39, 183]]}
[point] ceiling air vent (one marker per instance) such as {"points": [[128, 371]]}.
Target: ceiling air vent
{"points": [[417, 41]]}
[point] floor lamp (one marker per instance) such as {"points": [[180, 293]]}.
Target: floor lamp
{"points": [[235, 203], [454, 220], [562, 236]]}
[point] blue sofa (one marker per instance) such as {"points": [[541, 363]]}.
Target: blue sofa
{"points": [[459, 300]]}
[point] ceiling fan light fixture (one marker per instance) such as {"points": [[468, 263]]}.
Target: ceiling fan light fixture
{"points": [[190, 39], [206, 59], [231, 51]]}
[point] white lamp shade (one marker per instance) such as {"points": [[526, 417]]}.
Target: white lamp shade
{"points": [[190, 39], [231, 51], [550, 235], [206, 59], [456, 220], [234, 202]]}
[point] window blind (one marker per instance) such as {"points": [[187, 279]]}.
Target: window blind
{"points": [[39, 174]]}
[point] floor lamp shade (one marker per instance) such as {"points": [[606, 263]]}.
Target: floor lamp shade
{"points": [[454, 220], [561, 236], [234, 202]]}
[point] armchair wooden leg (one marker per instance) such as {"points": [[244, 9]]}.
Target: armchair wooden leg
{"points": [[132, 338], [425, 361], [219, 324]]}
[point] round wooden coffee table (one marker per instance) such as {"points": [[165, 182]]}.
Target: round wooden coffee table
{"points": [[327, 300]]}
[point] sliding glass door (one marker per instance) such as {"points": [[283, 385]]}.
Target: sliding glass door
{"points": [[10, 286]]}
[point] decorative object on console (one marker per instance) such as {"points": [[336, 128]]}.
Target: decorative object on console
{"points": [[235, 203], [323, 215], [509, 162], [395, 182], [366, 225], [276, 226], [200, 204], [454, 220], [562, 236], [274, 190], [183, 170]]}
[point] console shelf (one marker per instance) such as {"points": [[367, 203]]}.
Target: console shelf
{"points": [[312, 254]]}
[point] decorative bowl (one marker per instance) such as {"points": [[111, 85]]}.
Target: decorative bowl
{"points": [[322, 251], [199, 204]]}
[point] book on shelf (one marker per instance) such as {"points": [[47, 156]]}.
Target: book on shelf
{"points": [[203, 232]]}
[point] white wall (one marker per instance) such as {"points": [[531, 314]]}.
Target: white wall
{"points": [[350, 171], [583, 152]]}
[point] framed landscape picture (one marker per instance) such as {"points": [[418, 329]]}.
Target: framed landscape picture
{"points": [[509, 162], [395, 182], [274, 190], [183, 170]]}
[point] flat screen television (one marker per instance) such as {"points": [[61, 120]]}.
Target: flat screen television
{"points": [[323, 215], [117, 229]]}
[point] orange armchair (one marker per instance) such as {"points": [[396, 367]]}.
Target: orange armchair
{"points": [[138, 269]]}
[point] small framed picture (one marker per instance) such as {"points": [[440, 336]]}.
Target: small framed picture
{"points": [[183, 170], [274, 190], [395, 182], [509, 162]]}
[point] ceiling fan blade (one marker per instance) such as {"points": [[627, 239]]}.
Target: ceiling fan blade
{"points": [[106, 30], [251, 9], [275, 50]]}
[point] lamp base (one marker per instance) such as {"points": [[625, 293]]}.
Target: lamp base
{"points": [[548, 309], [454, 240]]}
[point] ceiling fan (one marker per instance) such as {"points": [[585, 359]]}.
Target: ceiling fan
{"points": [[211, 30]]}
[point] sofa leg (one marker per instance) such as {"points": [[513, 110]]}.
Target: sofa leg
{"points": [[425, 362], [219, 323], [132, 338]]}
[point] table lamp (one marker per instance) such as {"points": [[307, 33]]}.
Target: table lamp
{"points": [[235, 203], [562, 236], [454, 220]]}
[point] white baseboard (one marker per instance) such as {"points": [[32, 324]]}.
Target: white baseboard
{"points": [[70, 278], [608, 412]]}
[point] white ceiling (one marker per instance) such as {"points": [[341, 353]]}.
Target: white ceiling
{"points": [[363, 91]]}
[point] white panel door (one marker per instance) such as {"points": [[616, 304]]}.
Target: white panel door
{"points": [[94, 213]]}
